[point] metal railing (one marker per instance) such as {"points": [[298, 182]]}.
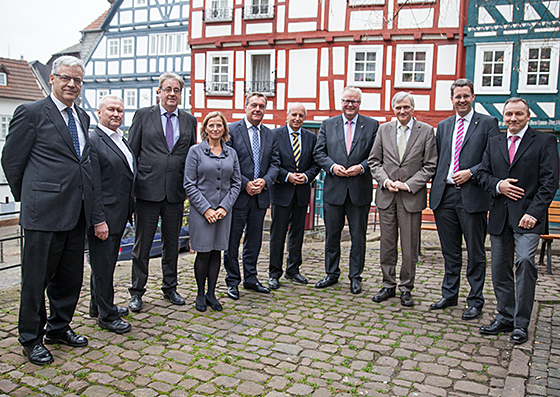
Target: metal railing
{"points": [[218, 87], [266, 87], [258, 11], [218, 14]]}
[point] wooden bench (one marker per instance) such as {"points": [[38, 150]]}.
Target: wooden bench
{"points": [[546, 247]]}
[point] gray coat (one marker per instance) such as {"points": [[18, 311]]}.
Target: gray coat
{"points": [[210, 181]]}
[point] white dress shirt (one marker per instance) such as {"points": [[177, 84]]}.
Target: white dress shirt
{"points": [[117, 137], [61, 108], [467, 121]]}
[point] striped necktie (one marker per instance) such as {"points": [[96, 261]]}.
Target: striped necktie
{"points": [[458, 144], [297, 149]]}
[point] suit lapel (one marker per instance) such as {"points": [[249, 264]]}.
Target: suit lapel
{"points": [[244, 133], [527, 141], [113, 146], [414, 134], [56, 118], [285, 144], [156, 119], [339, 126], [182, 128], [503, 147], [357, 133], [447, 140], [472, 127]]}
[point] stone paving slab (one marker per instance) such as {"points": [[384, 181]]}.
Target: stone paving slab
{"points": [[296, 341]]}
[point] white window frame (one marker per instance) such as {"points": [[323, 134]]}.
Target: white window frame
{"points": [[4, 126], [359, 3], [479, 58], [3, 79], [210, 56], [159, 44], [249, 63], [130, 98], [153, 41], [378, 50], [113, 43], [551, 87], [127, 46], [140, 3], [401, 49], [100, 94]]}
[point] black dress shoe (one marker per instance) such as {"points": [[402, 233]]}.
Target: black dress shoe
{"points": [[214, 304], [519, 336], [118, 326], [406, 299], [200, 303], [257, 287], [94, 313], [297, 278], [326, 282], [471, 313], [174, 297], [38, 354], [495, 327], [443, 303], [68, 337], [233, 293], [135, 304], [273, 283], [384, 294], [355, 286]]}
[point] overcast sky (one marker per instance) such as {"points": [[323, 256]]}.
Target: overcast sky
{"points": [[35, 29]]}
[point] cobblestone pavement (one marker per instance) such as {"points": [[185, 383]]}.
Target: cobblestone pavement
{"points": [[296, 341]]}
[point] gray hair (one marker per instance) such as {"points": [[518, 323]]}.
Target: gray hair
{"points": [[401, 96], [257, 94], [106, 97], [352, 88], [171, 76], [67, 60], [291, 105]]}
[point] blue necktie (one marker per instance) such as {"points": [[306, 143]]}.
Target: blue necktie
{"points": [[256, 152], [169, 131], [73, 131]]}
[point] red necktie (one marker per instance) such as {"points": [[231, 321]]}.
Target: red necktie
{"points": [[511, 150]]}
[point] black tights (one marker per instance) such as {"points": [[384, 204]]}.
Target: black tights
{"points": [[207, 266]]}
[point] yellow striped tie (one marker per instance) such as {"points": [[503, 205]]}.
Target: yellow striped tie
{"points": [[297, 149]]}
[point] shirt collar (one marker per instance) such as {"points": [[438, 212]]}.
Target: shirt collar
{"points": [[468, 117], [292, 131], [163, 111], [109, 131], [520, 134], [61, 106], [250, 126], [354, 120], [409, 124]]}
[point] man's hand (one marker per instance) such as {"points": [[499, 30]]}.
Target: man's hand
{"points": [[259, 184], [390, 185], [101, 231], [354, 170], [296, 178], [339, 170], [401, 186], [461, 176], [527, 222], [508, 189]]}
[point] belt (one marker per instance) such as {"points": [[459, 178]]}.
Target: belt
{"points": [[452, 185]]}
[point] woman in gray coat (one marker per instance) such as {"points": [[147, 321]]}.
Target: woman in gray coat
{"points": [[212, 182]]}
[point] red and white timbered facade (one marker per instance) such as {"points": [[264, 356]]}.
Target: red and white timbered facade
{"points": [[308, 50]]}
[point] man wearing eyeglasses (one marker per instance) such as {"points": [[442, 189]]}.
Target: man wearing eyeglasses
{"points": [[160, 136], [342, 150], [47, 165]]}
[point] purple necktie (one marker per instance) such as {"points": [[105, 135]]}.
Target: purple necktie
{"points": [[511, 150], [169, 131]]}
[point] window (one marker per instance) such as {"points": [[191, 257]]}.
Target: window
{"points": [[260, 72], [414, 66], [358, 3], [259, 9], [4, 126], [140, 2], [3, 79], [220, 10], [127, 47], [101, 94], [112, 48], [130, 99], [493, 68], [364, 65], [220, 74], [539, 66], [168, 44]]}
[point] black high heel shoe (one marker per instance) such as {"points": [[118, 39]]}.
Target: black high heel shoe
{"points": [[214, 304]]}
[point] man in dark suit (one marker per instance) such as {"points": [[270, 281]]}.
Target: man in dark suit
{"points": [[520, 171], [113, 170], [257, 151], [342, 150], [459, 203], [47, 165], [290, 195], [160, 136], [403, 159]]}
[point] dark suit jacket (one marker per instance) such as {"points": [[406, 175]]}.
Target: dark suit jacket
{"points": [[331, 149], [481, 128], [43, 168], [270, 160], [160, 171], [113, 183], [416, 168], [535, 165], [282, 192]]}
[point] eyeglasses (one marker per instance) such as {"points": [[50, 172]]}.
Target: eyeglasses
{"points": [[169, 90], [66, 79], [350, 102]]}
